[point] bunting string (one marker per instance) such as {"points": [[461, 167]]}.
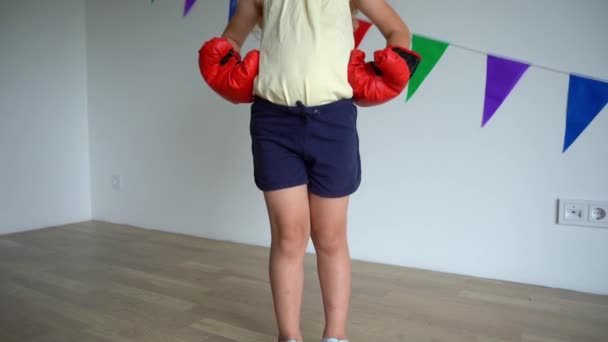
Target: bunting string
{"points": [[539, 66]]}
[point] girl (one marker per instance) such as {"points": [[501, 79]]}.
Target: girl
{"points": [[304, 83]]}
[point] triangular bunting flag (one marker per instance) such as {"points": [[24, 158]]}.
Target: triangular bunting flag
{"points": [[431, 51], [502, 76], [586, 99], [362, 28], [188, 6], [232, 10]]}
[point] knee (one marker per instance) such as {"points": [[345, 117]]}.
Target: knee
{"points": [[291, 238], [328, 240]]}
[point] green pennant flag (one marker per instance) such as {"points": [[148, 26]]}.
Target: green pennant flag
{"points": [[431, 51]]}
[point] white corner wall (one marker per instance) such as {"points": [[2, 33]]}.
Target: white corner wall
{"points": [[44, 147], [438, 192]]}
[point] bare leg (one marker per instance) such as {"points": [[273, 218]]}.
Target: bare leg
{"points": [[288, 212], [328, 232]]}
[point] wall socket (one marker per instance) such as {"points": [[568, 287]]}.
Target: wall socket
{"points": [[116, 182], [583, 213]]}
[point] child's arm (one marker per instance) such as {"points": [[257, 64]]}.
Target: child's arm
{"points": [[387, 76], [387, 20], [247, 14], [220, 61]]}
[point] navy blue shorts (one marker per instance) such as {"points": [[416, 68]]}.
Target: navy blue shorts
{"points": [[296, 145]]}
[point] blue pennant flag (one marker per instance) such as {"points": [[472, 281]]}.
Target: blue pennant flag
{"points": [[233, 4], [586, 99]]}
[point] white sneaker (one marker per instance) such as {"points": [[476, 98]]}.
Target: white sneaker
{"points": [[327, 339]]}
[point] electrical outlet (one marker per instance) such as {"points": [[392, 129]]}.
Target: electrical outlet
{"points": [[116, 182], [572, 212], [598, 214], [583, 213]]}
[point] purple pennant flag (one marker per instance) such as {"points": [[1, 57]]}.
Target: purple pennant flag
{"points": [[188, 6], [501, 77]]}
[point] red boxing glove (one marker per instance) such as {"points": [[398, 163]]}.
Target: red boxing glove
{"points": [[225, 72], [383, 79]]}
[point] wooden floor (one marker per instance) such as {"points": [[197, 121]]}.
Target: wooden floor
{"points": [[100, 282]]}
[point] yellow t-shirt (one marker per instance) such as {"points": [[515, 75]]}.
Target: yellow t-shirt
{"points": [[304, 52]]}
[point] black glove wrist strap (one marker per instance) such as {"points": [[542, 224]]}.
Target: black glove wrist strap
{"points": [[412, 60]]}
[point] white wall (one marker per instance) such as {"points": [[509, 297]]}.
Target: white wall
{"points": [[438, 192], [44, 155]]}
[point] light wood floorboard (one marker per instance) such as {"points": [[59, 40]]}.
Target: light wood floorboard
{"points": [[102, 282]]}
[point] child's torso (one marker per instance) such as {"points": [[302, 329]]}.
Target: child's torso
{"points": [[305, 48]]}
